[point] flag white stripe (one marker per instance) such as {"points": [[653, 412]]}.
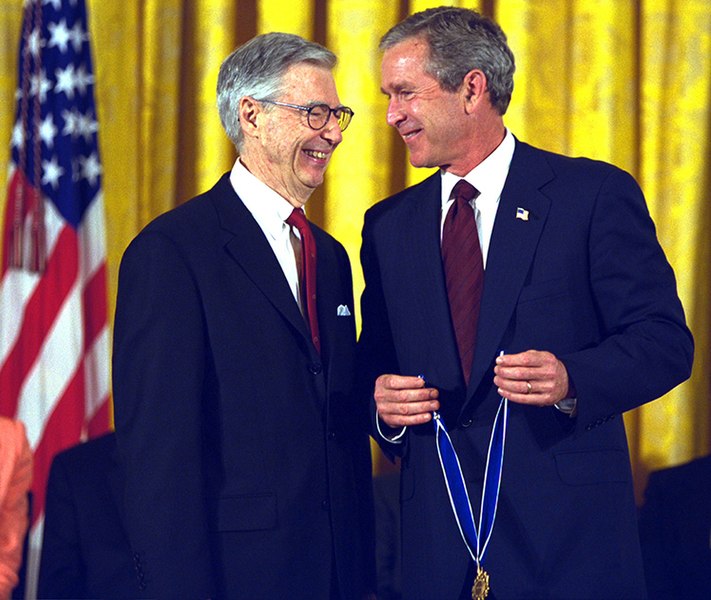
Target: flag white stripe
{"points": [[92, 242], [96, 373], [17, 287], [54, 368]]}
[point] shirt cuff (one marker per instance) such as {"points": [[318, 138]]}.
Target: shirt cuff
{"points": [[568, 406], [394, 436]]}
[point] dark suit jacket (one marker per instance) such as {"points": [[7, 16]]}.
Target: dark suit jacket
{"points": [[585, 278], [386, 495], [675, 532], [85, 552], [247, 458]]}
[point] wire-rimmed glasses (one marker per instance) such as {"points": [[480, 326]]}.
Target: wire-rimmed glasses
{"points": [[317, 115]]}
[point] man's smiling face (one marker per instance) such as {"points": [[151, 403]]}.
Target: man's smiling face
{"points": [[429, 119], [291, 157]]}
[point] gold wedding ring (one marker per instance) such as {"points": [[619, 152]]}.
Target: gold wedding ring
{"points": [[528, 387]]}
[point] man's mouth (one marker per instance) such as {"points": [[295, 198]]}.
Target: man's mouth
{"points": [[409, 134], [318, 154]]}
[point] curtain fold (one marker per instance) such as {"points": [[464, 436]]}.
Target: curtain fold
{"points": [[626, 82], [360, 170], [286, 16], [675, 173]]}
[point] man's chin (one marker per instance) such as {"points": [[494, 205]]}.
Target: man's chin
{"points": [[310, 186], [420, 162]]}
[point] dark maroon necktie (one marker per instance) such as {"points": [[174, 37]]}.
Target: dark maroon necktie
{"points": [[308, 269], [463, 270]]}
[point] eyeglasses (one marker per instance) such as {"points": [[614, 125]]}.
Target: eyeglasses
{"points": [[318, 115]]}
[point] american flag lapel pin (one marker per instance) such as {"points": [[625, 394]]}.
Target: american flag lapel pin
{"points": [[522, 213]]}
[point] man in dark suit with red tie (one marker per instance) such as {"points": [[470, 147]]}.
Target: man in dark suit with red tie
{"points": [[246, 455], [565, 305]]}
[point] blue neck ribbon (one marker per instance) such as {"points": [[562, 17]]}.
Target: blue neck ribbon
{"points": [[476, 540]]}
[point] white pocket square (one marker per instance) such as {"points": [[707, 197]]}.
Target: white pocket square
{"points": [[343, 311]]}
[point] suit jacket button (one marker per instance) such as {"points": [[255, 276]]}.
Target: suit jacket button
{"points": [[315, 368], [466, 423], [331, 435], [324, 505]]}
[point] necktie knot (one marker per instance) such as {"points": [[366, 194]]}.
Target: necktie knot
{"points": [[297, 219], [464, 191]]}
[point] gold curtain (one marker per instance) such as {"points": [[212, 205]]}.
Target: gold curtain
{"points": [[626, 82], [629, 83], [361, 168]]}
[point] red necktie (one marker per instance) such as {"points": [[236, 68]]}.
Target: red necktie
{"points": [[308, 268], [463, 270]]}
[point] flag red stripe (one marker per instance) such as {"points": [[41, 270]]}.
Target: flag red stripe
{"points": [[94, 302], [40, 313], [100, 421]]}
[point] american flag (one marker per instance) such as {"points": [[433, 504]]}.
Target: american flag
{"points": [[54, 336]]}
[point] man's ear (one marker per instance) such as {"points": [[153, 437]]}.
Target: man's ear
{"points": [[474, 86], [249, 109]]}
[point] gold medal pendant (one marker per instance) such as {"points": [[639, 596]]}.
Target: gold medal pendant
{"points": [[480, 589]]}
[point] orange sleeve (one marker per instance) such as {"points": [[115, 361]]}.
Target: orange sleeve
{"points": [[15, 481]]}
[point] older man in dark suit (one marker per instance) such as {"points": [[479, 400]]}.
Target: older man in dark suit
{"points": [[246, 455], [516, 273]]}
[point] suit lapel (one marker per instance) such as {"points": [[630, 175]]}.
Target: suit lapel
{"points": [[513, 245], [328, 288], [423, 247], [244, 241]]}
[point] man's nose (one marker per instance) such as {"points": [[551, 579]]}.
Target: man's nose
{"points": [[332, 130], [395, 114]]}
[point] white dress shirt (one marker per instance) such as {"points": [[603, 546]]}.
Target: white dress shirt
{"points": [[488, 177], [270, 210]]}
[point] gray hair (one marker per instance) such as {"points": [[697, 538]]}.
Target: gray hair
{"points": [[256, 69], [460, 40]]}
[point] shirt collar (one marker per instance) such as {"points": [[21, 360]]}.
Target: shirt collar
{"points": [[268, 208], [489, 176]]}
